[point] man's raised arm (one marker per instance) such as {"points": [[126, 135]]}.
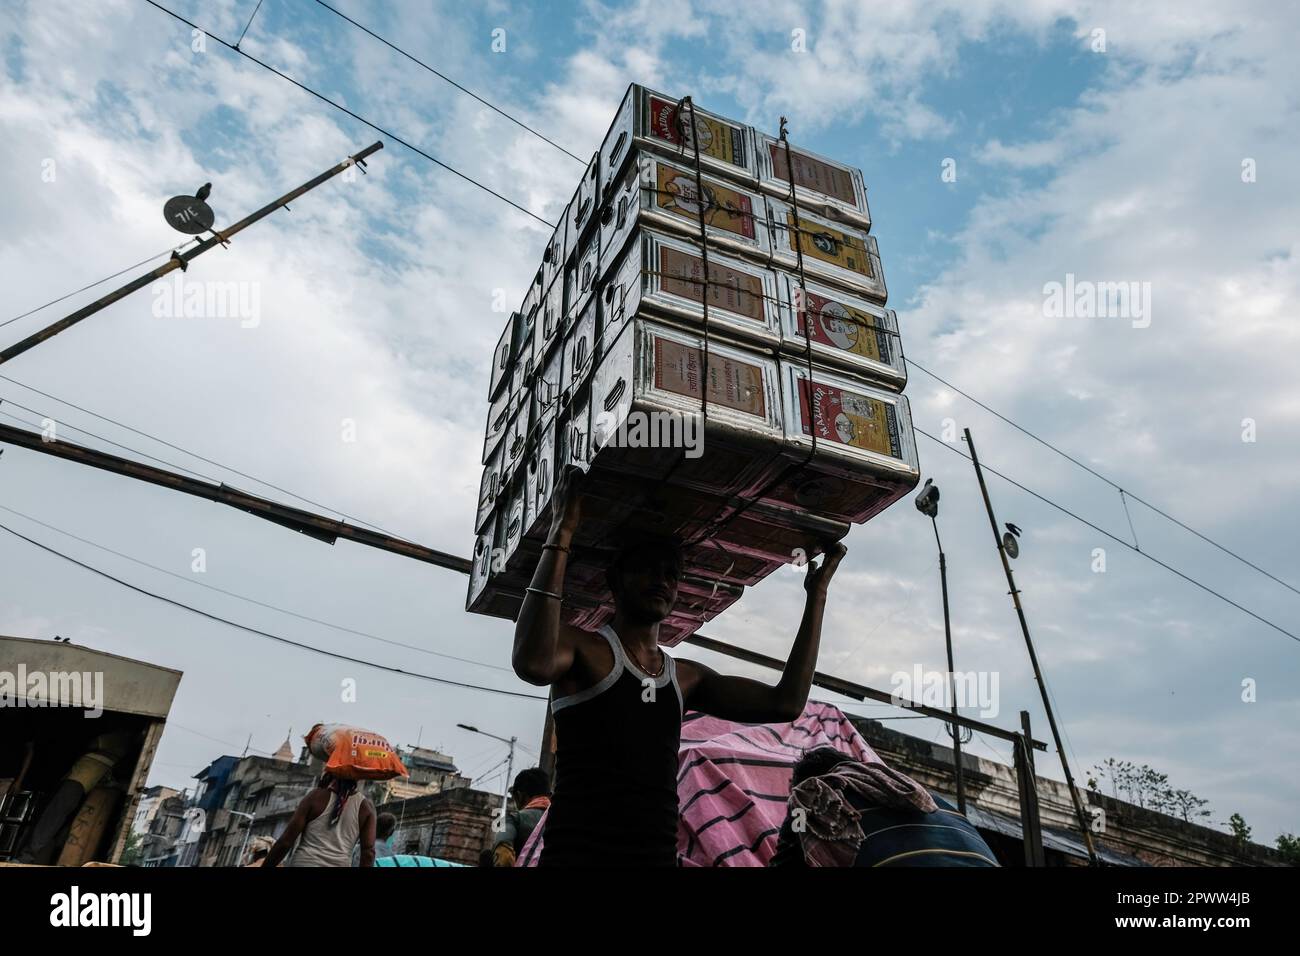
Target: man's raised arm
{"points": [[751, 701], [543, 649]]}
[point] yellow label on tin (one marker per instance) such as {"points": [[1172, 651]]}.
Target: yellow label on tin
{"points": [[828, 244], [724, 208]]}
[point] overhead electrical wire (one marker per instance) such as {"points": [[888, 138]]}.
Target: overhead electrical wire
{"points": [[356, 116], [254, 601], [1096, 474], [266, 634], [192, 454], [168, 251], [418, 62], [1115, 538]]}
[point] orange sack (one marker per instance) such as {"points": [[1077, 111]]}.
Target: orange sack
{"points": [[353, 753]]}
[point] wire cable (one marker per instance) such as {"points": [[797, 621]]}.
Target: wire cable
{"points": [[360, 119], [1115, 538], [168, 251], [267, 634], [192, 454], [1101, 477], [397, 49], [246, 598]]}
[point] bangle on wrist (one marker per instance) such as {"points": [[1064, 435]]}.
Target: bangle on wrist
{"points": [[549, 594], [556, 547]]}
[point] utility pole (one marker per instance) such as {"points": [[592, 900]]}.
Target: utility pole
{"points": [[1033, 657], [305, 522], [181, 260]]}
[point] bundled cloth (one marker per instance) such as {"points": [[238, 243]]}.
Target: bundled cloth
{"points": [[833, 825], [351, 753]]}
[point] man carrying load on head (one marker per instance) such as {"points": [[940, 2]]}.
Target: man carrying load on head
{"points": [[327, 824], [618, 699]]}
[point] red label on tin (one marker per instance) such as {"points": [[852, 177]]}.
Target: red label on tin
{"points": [[719, 140], [848, 418]]}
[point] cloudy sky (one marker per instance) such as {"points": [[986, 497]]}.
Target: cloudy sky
{"points": [[1154, 146]]}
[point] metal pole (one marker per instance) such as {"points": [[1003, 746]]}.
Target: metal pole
{"points": [[1031, 829], [305, 522], [181, 260], [510, 771], [955, 729], [1033, 657]]}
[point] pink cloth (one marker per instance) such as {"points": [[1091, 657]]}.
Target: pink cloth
{"points": [[733, 781]]}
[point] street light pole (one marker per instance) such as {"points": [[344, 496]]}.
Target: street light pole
{"points": [[182, 260], [510, 763], [1033, 656]]}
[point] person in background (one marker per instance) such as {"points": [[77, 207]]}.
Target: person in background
{"points": [[532, 796], [385, 828], [326, 825], [843, 812]]}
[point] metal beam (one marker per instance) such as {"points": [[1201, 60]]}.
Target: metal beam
{"points": [[856, 691], [305, 522], [181, 260]]}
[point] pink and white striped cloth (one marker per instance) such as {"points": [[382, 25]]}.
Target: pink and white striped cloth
{"points": [[733, 781]]}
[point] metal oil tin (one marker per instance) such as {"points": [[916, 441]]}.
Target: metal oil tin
{"points": [[647, 410], [547, 387], [581, 212], [528, 310], [579, 352], [845, 331], [573, 441], [836, 252], [663, 276], [655, 121], [489, 487], [497, 422], [583, 613], [481, 568], [712, 560], [822, 185], [655, 192], [673, 630], [521, 376], [539, 480], [556, 252], [581, 275], [630, 506], [777, 534], [515, 442], [703, 599], [520, 553], [865, 456], [502, 357], [550, 322]]}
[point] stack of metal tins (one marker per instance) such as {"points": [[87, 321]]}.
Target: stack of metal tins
{"points": [[802, 428]]}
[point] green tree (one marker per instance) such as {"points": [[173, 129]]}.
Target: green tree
{"points": [[1240, 832], [1288, 844], [131, 851]]}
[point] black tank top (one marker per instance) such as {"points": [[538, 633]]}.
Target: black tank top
{"points": [[615, 797]]}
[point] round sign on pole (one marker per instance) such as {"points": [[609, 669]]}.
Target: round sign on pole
{"points": [[189, 214]]}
